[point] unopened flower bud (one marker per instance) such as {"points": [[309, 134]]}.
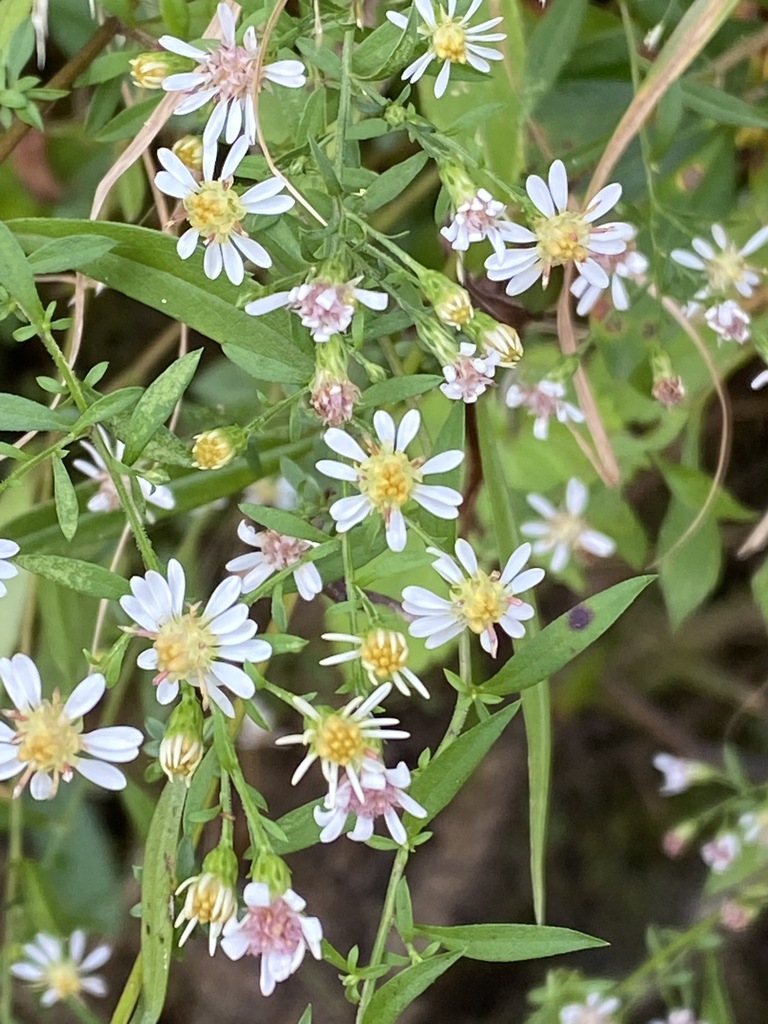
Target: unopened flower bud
{"points": [[215, 448], [189, 149], [333, 398], [437, 341], [149, 70], [676, 840], [395, 115], [736, 916], [457, 182], [668, 387], [210, 896], [491, 336], [182, 748], [272, 871], [451, 302]]}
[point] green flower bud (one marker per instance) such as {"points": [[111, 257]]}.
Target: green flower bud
{"points": [[149, 70], [438, 341], [458, 183], [451, 302], [273, 871], [491, 336]]}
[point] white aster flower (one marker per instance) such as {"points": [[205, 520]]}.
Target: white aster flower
{"points": [[8, 548], [344, 739], [226, 74], [564, 531], [478, 601], [626, 266], [384, 795], [470, 374], [47, 743], [451, 40], [595, 1010], [724, 270], [729, 321], [560, 236], [276, 552], [479, 217], [383, 654], [387, 478], [192, 645], [106, 499], [210, 896], [61, 970], [721, 852], [215, 210], [543, 400], [326, 307], [275, 929]]}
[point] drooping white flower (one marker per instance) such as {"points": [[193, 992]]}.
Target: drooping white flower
{"points": [[626, 266], [192, 645], [276, 552], [106, 499], [346, 739], [275, 929], [226, 74], [729, 321], [383, 654], [470, 374], [215, 210], [210, 896], [326, 307], [386, 478], [721, 852], [561, 236], [478, 601], [726, 269], [477, 218], [681, 773], [384, 794], [543, 400], [595, 1010], [564, 530], [62, 970], [47, 743], [8, 548], [451, 40]]}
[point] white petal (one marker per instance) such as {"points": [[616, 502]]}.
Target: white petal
{"points": [[384, 426], [252, 250], [101, 774], [576, 496], [525, 580], [408, 429], [558, 184], [187, 243], [269, 302], [184, 49], [337, 470], [85, 696], [223, 597], [604, 201], [539, 193], [441, 82], [41, 786], [395, 531], [515, 562], [340, 442], [466, 556], [443, 462]]}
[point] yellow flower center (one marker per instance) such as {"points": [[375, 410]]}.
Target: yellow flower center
{"points": [[449, 41], [339, 740], [49, 740], [212, 450], [562, 237], [211, 900], [388, 479], [725, 269], [383, 652], [185, 648], [214, 210], [481, 600], [63, 979], [457, 310], [565, 528]]}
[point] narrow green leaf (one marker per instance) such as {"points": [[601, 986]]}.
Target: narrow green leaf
{"points": [[551, 44], [157, 403], [392, 182], [158, 883], [691, 487], [65, 499], [128, 122], [436, 785], [69, 253], [17, 278], [560, 641], [107, 406], [690, 572], [299, 828], [397, 388], [75, 574], [283, 522], [719, 106], [17, 413], [386, 50], [325, 169], [398, 993], [508, 943]]}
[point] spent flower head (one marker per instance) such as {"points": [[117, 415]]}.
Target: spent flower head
{"points": [[543, 400], [61, 969], [190, 645], [45, 742], [564, 531], [386, 478], [452, 40], [721, 852], [275, 552], [215, 211], [478, 601]]}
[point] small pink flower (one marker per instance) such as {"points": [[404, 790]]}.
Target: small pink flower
{"points": [[326, 307], [480, 216], [277, 551], [470, 374], [721, 852], [729, 321], [333, 399], [543, 400]]}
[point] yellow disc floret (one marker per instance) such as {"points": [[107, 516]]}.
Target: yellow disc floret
{"points": [[725, 269], [339, 740], [449, 41], [214, 210], [563, 237], [49, 740], [383, 652], [388, 478], [185, 648], [481, 600], [63, 979]]}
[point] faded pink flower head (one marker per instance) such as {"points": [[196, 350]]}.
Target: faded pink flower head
{"points": [[470, 374]]}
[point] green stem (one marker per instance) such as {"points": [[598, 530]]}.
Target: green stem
{"points": [[463, 700], [130, 994], [385, 924], [345, 95], [11, 911], [225, 799], [81, 1011]]}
